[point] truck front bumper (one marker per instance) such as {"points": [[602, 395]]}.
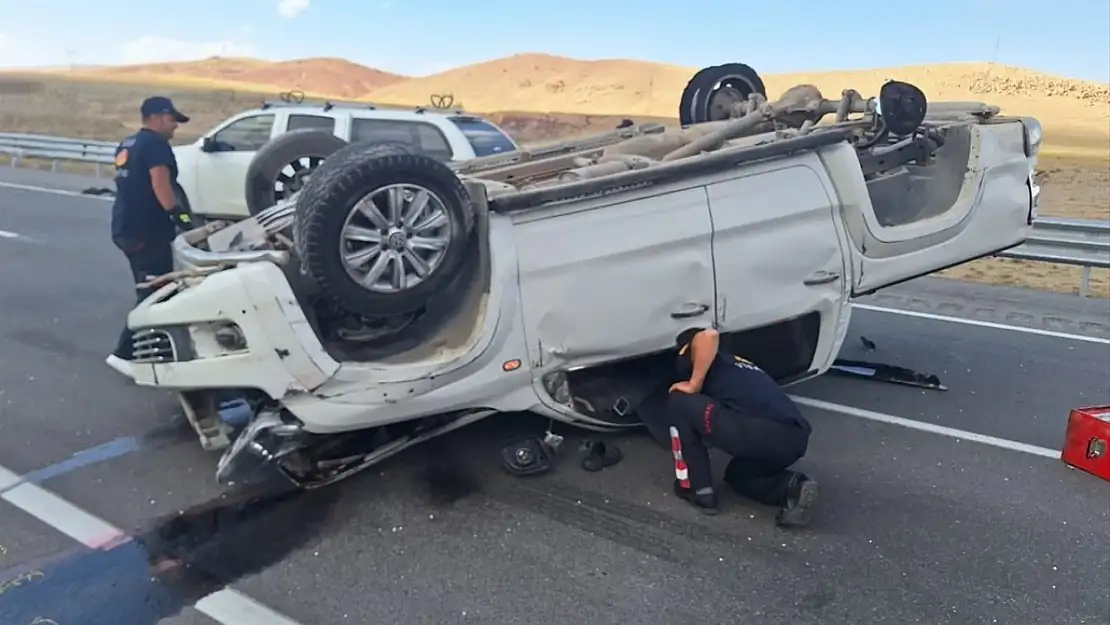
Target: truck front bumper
{"points": [[237, 328]]}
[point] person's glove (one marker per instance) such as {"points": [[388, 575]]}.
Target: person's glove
{"points": [[181, 217]]}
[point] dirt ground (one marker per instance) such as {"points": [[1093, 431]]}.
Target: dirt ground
{"points": [[1074, 169]]}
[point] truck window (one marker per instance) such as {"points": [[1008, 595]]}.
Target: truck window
{"points": [[245, 135], [483, 136], [314, 122], [421, 136]]}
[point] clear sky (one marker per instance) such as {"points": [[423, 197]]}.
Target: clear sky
{"points": [[416, 37]]}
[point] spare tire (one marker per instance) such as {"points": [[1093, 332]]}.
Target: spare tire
{"points": [[381, 229], [284, 164], [731, 80]]}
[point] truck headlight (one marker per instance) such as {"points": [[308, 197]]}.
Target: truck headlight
{"points": [[217, 338], [230, 337], [1034, 135]]}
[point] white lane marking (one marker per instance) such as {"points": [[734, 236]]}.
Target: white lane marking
{"points": [[226, 606], [27, 187], [932, 428], [15, 236], [985, 324]]}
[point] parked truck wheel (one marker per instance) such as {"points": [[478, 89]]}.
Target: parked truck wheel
{"points": [[284, 164], [714, 87], [382, 229]]}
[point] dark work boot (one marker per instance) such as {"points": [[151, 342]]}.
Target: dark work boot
{"points": [[801, 496], [705, 500]]}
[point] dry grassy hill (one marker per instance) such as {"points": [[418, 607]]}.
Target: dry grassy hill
{"points": [[543, 83], [1075, 112], [327, 76]]}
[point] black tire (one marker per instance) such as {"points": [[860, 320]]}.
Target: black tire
{"points": [[689, 95], [266, 167], [331, 194], [693, 108]]}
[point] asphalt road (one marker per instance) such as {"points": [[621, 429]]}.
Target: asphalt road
{"points": [[914, 527]]}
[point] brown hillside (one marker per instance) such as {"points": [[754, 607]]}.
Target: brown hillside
{"points": [[336, 77], [333, 76], [542, 83], [214, 68]]}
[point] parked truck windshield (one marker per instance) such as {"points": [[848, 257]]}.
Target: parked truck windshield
{"points": [[484, 137]]}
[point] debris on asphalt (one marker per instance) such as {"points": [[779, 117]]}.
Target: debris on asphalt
{"points": [[892, 374], [598, 455], [528, 456]]}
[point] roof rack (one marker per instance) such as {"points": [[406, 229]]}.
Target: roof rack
{"points": [[440, 104]]}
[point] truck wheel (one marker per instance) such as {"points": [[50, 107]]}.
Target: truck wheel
{"points": [[284, 164], [382, 229], [714, 87]]}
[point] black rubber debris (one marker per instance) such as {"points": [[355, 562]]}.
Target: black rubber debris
{"points": [[597, 455], [527, 456], [890, 374]]}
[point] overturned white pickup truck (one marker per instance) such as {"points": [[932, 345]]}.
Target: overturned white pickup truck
{"points": [[398, 298]]}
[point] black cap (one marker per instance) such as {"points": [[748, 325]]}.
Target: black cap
{"points": [[159, 105]]}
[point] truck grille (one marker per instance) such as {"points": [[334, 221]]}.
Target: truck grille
{"points": [[154, 346]]}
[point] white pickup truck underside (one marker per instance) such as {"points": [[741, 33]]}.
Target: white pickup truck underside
{"points": [[577, 257]]}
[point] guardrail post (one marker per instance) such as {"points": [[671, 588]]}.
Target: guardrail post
{"points": [[54, 166], [1085, 282], [99, 171]]}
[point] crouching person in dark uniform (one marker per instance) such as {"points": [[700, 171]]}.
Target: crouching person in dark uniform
{"points": [[726, 402], [145, 214]]}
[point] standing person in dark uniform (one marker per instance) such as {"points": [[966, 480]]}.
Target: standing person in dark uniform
{"points": [[727, 402], [145, 213]]}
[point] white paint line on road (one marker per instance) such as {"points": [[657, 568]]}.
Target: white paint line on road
{"points": [[226, 606], [932, 428], [27, 187], [15, 236], [985, 324]]}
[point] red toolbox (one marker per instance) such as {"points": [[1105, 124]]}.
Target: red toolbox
{"points": [[1087, 441]]}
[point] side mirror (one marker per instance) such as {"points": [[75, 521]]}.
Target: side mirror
{"points": [[208, 144], [902, 107]]}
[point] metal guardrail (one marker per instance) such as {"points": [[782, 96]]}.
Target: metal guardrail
{"points": [[1079, 242], [19, 146]]}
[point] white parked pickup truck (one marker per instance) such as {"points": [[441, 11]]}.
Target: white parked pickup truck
{"points": [[244, 164], [397, 298]]}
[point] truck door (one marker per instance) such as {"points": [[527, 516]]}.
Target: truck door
{"points": [[976, 199], [222, 165], [615, 277], [777, 250]]}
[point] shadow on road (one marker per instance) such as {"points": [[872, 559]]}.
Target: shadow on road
{"points": [[174, 561], [156, 572]]}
